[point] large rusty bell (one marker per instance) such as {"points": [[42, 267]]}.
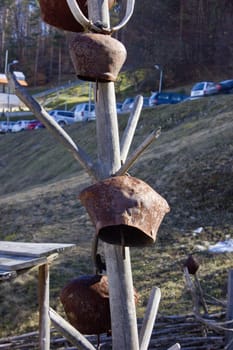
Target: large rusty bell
{"points": [[86, 304], [97, 57], [125, 210], [58, 14]]}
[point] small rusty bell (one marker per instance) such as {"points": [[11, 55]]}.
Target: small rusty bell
{"points": [[97, 57], [57, 14], [86, 304], [125, 210]]}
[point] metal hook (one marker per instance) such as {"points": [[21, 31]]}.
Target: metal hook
{"points": [[89, 25]]}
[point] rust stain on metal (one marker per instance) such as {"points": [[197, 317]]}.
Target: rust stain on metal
{"points": [[97, 57], [124, 205], [86, 304]]}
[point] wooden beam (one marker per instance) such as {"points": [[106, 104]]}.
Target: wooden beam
{"points": [[44, 321]]}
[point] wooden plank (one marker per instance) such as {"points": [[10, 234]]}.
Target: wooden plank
{"points": [[31, 249], [14, 263]]}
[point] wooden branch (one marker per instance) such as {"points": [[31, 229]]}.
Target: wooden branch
{"points": [[149, 318], [71, 333], [134, 156], [53, 127], [201, 294], [128, 134], [192, 291], [175, 347]]}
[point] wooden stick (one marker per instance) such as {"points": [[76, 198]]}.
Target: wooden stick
{"points": [[54, 128], [128, 134], [133, 157], [175, 347], [69, 332], [149, 318], [44, 322], [201, 294], [192, 291]]}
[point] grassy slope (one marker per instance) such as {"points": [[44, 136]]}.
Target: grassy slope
{"points": [[190, 165]]}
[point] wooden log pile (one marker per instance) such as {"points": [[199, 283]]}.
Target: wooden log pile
{"points": [[168, 330]]}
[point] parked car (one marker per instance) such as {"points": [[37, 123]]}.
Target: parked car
{"points": [[84, 112], [226, 86], [20, 125], [119, 107], [159, 98], [63, 118], [127, 104], [204, 88], [146, 102], [6, 126], [34, 124]]}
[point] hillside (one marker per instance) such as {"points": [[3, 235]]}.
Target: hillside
{"points": [[190, 165]]}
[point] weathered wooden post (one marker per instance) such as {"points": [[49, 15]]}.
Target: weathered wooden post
{"points": [[122, 305], [229, 335]]}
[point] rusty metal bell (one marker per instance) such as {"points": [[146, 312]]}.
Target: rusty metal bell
{"points": [[86, 304], [97, 57], [58, 14], [125, 210]]}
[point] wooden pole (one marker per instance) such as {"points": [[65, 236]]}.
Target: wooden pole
{"points": [[70, 333], [149, 318], [122, 305], [44, 321], [229, 335]]}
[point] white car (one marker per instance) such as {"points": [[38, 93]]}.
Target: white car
{"points": [[84, 112], [20, 125], [204, 88], [6, 127], [63, 118]]}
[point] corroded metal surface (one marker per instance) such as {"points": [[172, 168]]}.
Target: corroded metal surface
{"points": [[125, 210], [97, 57], [191, 264], [86, 304], [58, 14]]}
